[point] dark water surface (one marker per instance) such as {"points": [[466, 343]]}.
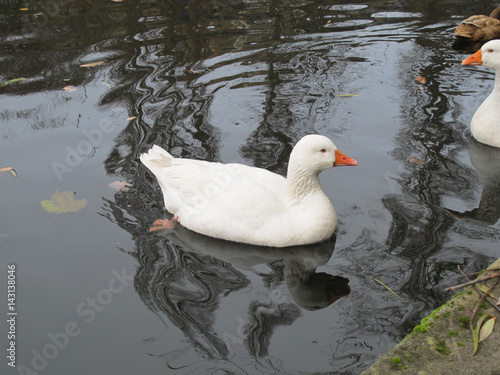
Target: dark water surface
{"points": [[235, 81]]}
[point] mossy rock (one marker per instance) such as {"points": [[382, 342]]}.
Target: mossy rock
{"points": [[442, 344]]}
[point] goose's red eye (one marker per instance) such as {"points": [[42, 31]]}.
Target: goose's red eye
{"points": [[323, 150], [490, 51]]}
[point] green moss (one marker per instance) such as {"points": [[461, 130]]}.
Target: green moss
{"points": [[453, 333], [396, 360], [464, 321], [422, 328], [460, 343], [458, 294], [483, 305], [405, 367], [434, 313], [469, 292], [460, 308], [441, 348]]}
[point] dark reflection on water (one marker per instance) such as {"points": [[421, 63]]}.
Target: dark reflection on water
{"points": [[486, 161], [243, 81], [184, 276]]}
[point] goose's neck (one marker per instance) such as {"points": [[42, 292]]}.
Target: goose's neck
{"points": [[301, 183], [496, 88]]}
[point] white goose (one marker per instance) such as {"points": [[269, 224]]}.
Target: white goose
{"points": [[485, 124], [251, 205]]}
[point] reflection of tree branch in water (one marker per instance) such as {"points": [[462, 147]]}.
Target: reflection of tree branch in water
{"points": [[264, 318], [419, 226], [187, 289]]}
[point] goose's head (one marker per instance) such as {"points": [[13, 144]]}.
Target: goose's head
{"points": [[488, 55], [316, 153]]}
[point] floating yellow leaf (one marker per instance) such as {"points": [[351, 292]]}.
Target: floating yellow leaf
{"points": [[23, 8], [131, 118], [63, 202], [90, 65], [69, 88], [120, 185], [106, 84], [416, 161], [11, 81], [10, 169], [420, 79]]}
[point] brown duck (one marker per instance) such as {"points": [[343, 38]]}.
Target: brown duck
{"points": [[480, 28]]}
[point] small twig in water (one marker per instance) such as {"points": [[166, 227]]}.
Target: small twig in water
{"points": [[488, 277]]}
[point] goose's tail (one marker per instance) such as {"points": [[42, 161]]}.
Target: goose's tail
{"points": [[156, 159]]}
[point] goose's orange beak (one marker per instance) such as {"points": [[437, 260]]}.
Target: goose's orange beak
{"points": [[343, 160], [475, 59]]}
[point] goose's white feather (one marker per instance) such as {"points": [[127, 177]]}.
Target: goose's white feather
{"points": [[247, 204], [485, 124]]}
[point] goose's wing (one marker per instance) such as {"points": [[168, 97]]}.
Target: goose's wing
{"points": [[220, 200]]}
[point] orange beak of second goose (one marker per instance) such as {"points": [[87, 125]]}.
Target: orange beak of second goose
{"points": [[342, 160], [475, 59]]}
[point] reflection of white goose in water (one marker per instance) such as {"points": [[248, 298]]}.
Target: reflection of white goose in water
{"points": [[310, 290], [186, 276], [486, 160]]}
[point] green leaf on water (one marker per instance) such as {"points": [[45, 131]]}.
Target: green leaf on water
{"points": [[63, 202], [11, 81]]}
